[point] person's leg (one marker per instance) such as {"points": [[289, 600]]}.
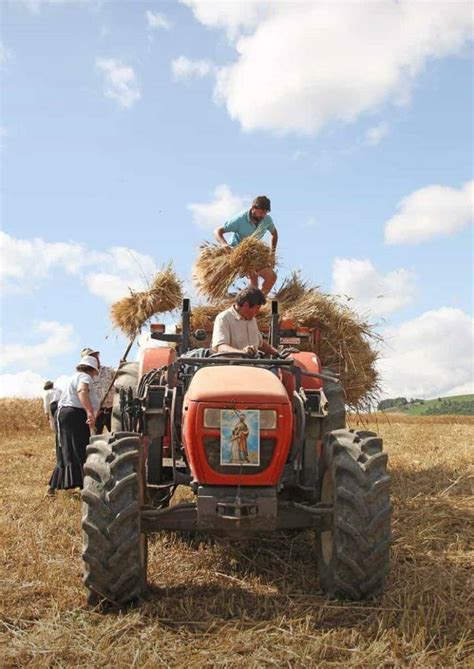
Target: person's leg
{"points": [[253, 278], [108, 419], [99, 423], [80, 436], [269, 277]]}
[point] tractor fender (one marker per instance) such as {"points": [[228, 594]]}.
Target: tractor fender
{"points": [[309, 362], [154, 358]]}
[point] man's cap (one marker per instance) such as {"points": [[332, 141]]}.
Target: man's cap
{"points": [[89, 361], [88, 351], [48, 385]]}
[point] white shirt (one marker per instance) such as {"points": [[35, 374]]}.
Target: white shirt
{"points": [[234, 330], [70, 398], [49, 396]]}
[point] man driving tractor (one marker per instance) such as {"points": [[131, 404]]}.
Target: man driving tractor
{"points": [[235, 328]]}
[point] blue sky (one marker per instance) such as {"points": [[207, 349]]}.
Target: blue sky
{"points": [[130, 129]]}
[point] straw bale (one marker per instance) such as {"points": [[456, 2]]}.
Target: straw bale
{"points": [[346, 345], [132, 312], [293, 288], [217, 267]]}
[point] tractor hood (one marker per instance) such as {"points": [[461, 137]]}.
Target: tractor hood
{"points": [[228, 383]]}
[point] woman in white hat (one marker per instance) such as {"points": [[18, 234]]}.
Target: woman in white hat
{"points": [[75, 417]]}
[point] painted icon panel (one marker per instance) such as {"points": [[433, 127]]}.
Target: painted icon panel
{"points": [[240, 437]]}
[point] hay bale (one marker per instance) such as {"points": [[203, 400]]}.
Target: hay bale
{"points": [[345, 345], [292, 289], [165, 294], [217, 267]]}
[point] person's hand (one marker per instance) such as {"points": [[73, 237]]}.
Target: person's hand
{"points": [[90, 419], [286, 352], [250, 350]]}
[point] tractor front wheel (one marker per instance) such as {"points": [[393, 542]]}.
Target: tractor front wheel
{"points": [[115, 550], [353, 557]]}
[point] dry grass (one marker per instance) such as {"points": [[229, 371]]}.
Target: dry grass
{"points": [[18, 416], [254, 604], [217, 267], [165, 294]]}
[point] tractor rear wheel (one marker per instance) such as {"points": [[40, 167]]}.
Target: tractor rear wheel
{"points": [[353, 557], [115, 550]]}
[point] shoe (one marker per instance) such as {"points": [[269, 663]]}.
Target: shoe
{"points": [[50, 492]]}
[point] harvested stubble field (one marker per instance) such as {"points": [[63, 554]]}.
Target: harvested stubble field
{"points": [[251, 604]]}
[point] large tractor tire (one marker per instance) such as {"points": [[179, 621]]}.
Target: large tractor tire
{"points": [[115, 550], [127, 377], [353, 557]]}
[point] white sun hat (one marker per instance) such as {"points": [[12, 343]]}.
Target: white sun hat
{"points": [[90, 361]]}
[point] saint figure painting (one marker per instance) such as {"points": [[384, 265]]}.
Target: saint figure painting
{"points": [[240, 440]]}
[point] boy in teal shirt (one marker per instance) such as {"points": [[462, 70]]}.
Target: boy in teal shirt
{"points": [[256, 221]]}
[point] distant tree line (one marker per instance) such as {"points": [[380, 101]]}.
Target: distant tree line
{"points": [[397, 403], [439, 407], [443, 407]]}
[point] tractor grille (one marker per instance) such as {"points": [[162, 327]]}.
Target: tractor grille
{"points": [[212, 447]]}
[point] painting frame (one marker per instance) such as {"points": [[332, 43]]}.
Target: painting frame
{"points": [[240, 438]]}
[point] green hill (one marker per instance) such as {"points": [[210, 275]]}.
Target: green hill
{"points": [[457, 405]]}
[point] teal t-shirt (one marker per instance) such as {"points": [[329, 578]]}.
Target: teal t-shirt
{"points": [[241, 226]]}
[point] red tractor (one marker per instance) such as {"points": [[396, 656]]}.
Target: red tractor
{"points": [[262, 444]]}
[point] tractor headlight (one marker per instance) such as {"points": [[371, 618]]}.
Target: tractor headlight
{"points": [[212, 418], [268, 419]]}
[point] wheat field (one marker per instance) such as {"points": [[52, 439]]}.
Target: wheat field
{"points": [[242, 604]]}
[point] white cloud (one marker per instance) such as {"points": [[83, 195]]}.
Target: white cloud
{"points": [[373, 293], [36, 5], [183, 68], [299, 154], [120, 81], [108, 274], [311, 222], [231, 15], [429, 356], [5, 55], [25, 384], [302, 65], [156, 21], [374, 135], [213, 214], [28, 384], [57, 340], [3, 136], [433, 211], [111, 287]]}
